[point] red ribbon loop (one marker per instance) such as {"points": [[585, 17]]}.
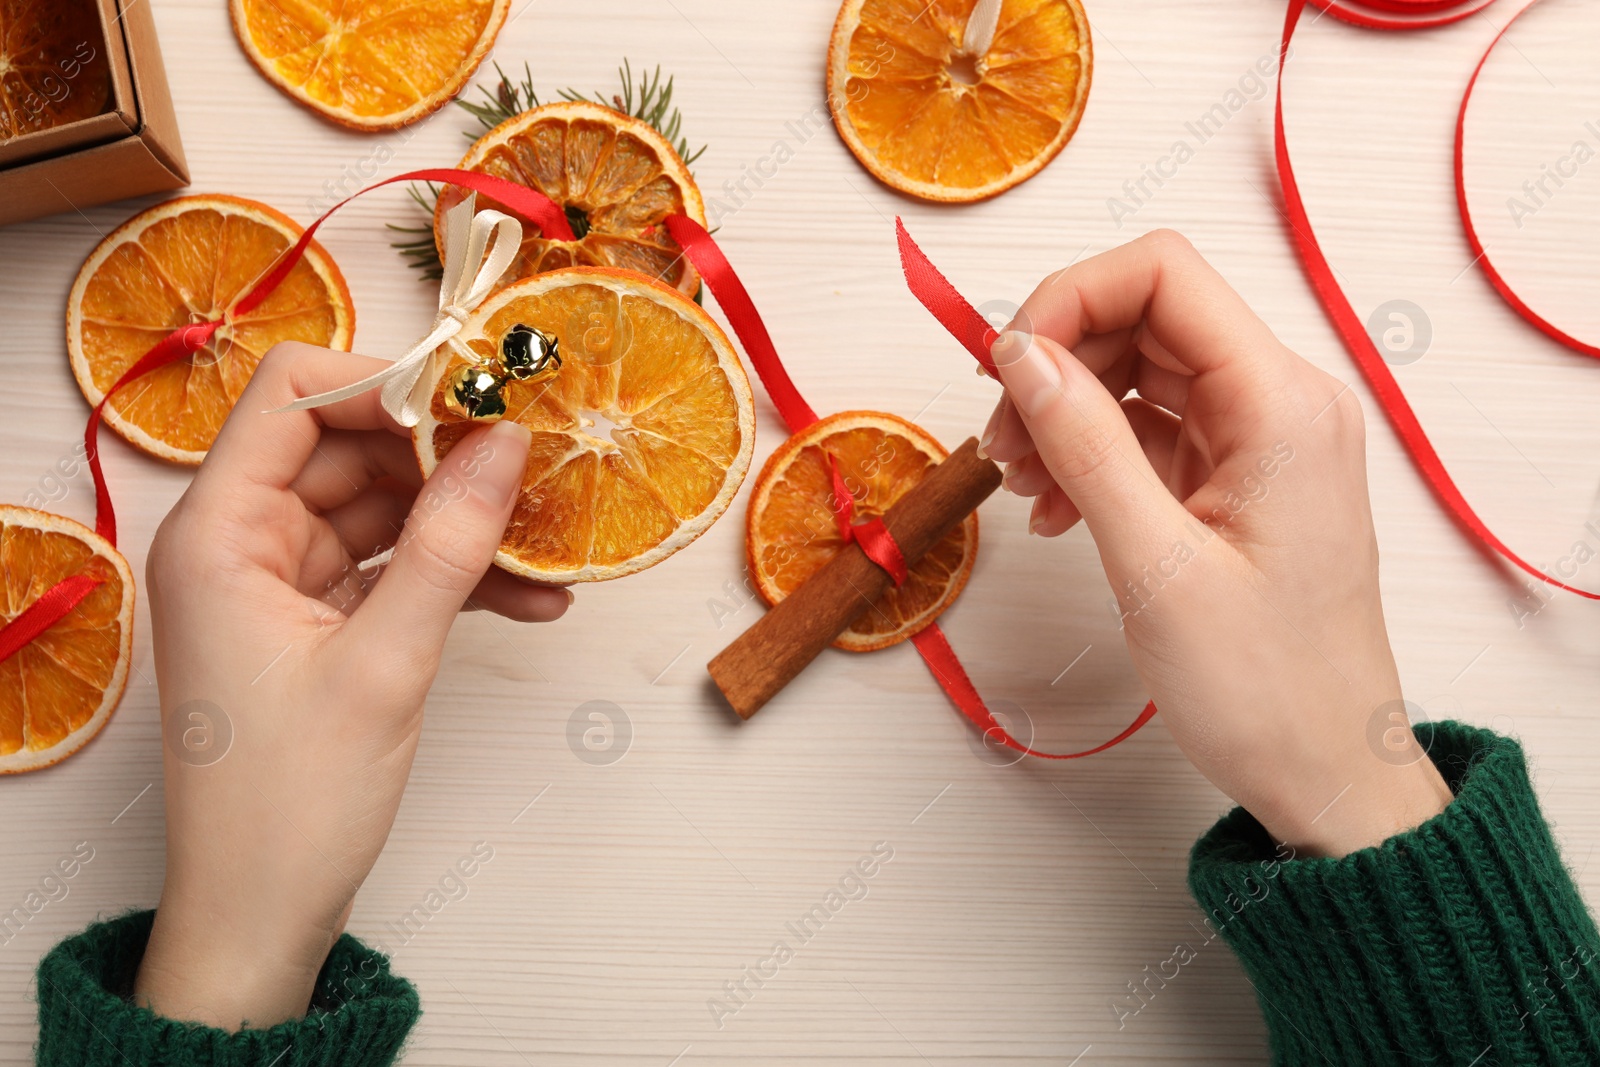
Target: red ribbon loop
{"points": [[881, 548], [1423, 14], [941, 660], [876, 542], [1354, 334], [1479, 253]]}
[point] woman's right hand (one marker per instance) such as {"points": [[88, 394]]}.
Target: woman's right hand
{"points": [[1228, 499]]}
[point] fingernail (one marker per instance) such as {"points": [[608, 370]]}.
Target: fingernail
{"points": [[990, 428], [1005, 477], [1146, 342], [1037, 518], [496, 462], [571, 598], [1030, 375]]}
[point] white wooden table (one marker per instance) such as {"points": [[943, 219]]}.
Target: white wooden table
{"points": [[1021, 899]]}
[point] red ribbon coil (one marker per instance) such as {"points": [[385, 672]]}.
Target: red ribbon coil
{"points": [[1348, 324]]}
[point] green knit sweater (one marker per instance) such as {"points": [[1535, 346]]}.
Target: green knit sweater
{"points": [[360, 1013], [1462, 942]]}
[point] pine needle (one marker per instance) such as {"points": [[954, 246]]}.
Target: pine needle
{"points": [[506, 100], [648, 99], [417, 247]]}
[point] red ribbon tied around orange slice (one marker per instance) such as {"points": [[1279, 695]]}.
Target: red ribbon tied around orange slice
{"points": [[975, 335]]}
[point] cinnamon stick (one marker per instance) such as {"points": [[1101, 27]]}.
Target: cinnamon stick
{"points": [[766, 657]]}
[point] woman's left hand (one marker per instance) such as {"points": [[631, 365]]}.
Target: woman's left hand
{"points": [[292, 681]]}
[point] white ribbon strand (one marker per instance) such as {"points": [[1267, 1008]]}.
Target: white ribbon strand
{"points": [[981, 24], [478, 247]]}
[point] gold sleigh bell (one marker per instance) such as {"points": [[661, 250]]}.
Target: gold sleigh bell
{"points": [[527, 353]]}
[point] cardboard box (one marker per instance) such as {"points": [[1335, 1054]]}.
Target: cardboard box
{"points": [[129, 149]]}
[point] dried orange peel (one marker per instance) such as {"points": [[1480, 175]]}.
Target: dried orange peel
{"points": [[640, 441], [371, 66], [60, 689], [958, 100], [183, 262], [792, 532]]}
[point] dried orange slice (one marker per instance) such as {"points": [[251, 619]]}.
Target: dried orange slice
{"points": [[614, 174], [187, 261], [953, 100], [639, 442], [792, 531], [60, 688], [53, 66], [375, 65]]}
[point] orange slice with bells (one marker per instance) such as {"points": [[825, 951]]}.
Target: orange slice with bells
{"points": [[640, 440], [187, 261], [941, 103], [375, 65], [615, 176], [58, 690], [53, 66], [792, 531]]}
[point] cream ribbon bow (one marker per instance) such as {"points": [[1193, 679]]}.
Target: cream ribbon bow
{"points": [[487, 241]]}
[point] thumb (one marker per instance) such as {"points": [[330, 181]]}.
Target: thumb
{"points": [[1090, 450], [448, 543]]}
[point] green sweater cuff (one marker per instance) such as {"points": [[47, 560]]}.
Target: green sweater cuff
{"points": [[360, 1013], [1463, 941]]}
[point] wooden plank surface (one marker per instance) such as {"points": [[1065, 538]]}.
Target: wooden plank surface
{"points": [[1020, 900]]}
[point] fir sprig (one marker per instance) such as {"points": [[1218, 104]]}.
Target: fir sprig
{"points": [[417, 247], [648, 99], [645, 96], [506, 100]]}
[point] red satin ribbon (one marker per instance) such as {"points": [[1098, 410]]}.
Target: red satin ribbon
{"points": [[1480, 254], [1423, 13], [944, 302], [876, 542], [1350, 328], [185, 341], [45, 612], [941, 660], [957, 315], [969, 328], [730, 292]]}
